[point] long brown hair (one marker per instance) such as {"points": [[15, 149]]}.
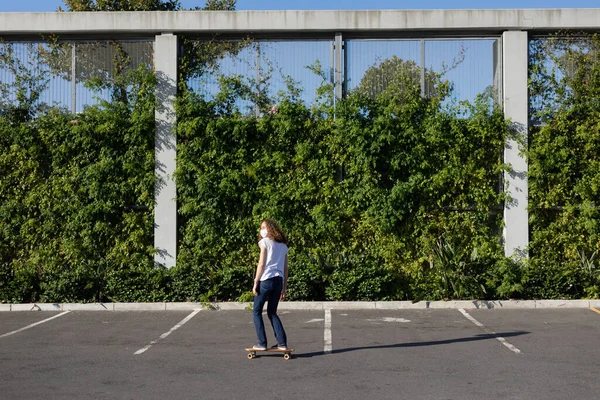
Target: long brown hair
{"points": [[274, 231]]}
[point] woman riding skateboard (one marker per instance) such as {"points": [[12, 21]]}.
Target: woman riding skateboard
{"points": [[270, 282]]}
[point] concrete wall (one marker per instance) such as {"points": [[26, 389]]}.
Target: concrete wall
{"points": [[513, 25], [441, 21]]}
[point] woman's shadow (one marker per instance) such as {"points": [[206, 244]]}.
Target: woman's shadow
{"points": [[482, 336]]}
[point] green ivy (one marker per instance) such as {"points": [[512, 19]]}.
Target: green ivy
{"points": [[564, 167], [77, 197], [364, 189], [385, 195]]}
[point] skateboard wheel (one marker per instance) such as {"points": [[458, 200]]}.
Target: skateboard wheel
{"points": [[286, 356], [250, 356]]}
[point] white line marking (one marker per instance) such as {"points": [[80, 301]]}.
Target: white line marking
{"points": [[32, 325], [314, 320], [389, 319], [500, 338], [164, 335], [327, 348]]}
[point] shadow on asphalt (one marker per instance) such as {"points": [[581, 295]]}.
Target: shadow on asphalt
{"points": [[482, 336]]}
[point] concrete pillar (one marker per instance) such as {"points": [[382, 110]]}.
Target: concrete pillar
{"points": [[516, 108], [165, 210], [339, 67]]}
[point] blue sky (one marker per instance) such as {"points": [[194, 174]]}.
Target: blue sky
{"points": [[51, 5]]}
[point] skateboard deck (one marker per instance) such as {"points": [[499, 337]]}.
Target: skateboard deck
{"points": [[287, 354]]}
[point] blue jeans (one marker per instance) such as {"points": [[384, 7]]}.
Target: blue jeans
{"points": [[269, 291]]}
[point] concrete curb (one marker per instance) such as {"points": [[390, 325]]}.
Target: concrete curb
{"points": [[88, 307], [139, 306], [36, 307], [309, 305]]}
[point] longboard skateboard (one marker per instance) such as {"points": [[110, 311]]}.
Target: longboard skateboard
{"points": [[287, 354]]}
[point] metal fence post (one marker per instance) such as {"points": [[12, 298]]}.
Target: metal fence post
{"points": [[423, 68], [74, 78], [339, 67]]}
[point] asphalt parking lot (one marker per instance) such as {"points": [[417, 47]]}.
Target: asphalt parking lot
{"points": [[339, 354]]}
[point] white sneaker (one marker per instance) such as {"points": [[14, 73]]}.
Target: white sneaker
{"points": [[258, 347], [281, 347]]}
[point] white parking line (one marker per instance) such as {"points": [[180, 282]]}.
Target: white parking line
{"points": [[500, 338], [164, 335], [35, 324], [328, 347], [388, 319]]}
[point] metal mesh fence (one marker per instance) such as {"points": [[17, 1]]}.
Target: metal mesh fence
{"points": [[48, 68], [553, 63], [373, 64], [102, 61], [369, 65], [271, 68], [470, 65], [266, 67], [24, 70]]}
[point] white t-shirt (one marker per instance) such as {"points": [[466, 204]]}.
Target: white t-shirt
{"points": [[275, 261]]}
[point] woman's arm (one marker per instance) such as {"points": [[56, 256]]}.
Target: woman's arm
{"points": [[285, 277], [259, 269]]}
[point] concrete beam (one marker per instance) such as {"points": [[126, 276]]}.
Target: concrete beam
{"points": [[165, 210], [516, 109], [440, 21]]}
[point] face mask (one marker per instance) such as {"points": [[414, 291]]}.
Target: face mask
{"points": [[263, 233]]}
